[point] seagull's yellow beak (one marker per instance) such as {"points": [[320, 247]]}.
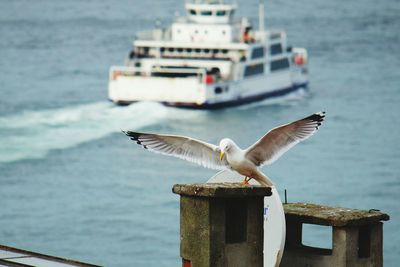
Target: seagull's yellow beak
{"points": [[221, 155]]}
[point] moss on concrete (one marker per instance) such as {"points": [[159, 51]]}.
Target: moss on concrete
{"points": [[221, 190], [332, 216]]}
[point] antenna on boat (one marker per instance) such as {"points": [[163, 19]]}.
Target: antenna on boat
{"points": [[261, 16]]}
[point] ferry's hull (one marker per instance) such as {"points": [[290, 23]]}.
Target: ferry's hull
{"points": [[241, 101], [196, 93], [233, 102]]}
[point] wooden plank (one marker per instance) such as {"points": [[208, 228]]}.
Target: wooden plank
{"points": [[18, 257]]}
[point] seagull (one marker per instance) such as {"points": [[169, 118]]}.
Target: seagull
{"points": [[228, 155]]}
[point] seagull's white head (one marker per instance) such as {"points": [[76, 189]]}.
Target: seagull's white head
{"points": [[225, 146]]}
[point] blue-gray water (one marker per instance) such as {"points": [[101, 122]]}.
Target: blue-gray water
{"points": [[72, 185]]}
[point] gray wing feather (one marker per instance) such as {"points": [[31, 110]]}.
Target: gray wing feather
{"points": [[280, 139], [182, 147]]}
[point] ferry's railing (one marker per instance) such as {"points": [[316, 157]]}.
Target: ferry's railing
{"points": [[179, 72], [117, 71], [232, 21]]}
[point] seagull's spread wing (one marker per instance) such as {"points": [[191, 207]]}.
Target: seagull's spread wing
{"points": [[182, 147], [280, 139]]}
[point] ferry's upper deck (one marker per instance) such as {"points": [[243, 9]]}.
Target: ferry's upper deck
{"points": [[208, 30], [206, 24], [210, 12]]}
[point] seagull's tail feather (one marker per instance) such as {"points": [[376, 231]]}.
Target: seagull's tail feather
{"points": [[263, 179]]}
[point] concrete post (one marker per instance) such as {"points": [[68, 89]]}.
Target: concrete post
{"points": [[221, 224], [356, 236]]}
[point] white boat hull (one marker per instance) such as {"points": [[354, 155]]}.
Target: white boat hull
{"points": [[192, 92]]}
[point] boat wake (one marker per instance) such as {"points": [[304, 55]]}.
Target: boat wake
{"points": [[33, 134]]}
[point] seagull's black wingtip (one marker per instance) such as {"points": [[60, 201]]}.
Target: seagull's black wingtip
{"points": [[134, 135], [317, 117]]}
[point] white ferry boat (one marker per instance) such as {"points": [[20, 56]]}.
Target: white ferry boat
{"points": [[209, 59]]}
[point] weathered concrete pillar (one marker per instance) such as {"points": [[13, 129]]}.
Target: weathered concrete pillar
{"points": [[221, 224], [356, 236]]}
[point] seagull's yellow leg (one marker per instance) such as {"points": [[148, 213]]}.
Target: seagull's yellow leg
{"points": [[246, 180]]}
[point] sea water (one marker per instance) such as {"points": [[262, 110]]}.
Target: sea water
{"points": [[72, 185]]}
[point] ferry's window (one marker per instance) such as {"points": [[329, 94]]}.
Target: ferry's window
{"points": [[145, 50], [206, 50], [280, 64], [275, 35], [198, 50], [276, 49], [206, 13], [179, 50], [215, 51], [162, 49], [225, 51], [192, 12], [171, 49], [257, 52], [218, 90], [189, 50], [254, 70], [221, 13]]}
